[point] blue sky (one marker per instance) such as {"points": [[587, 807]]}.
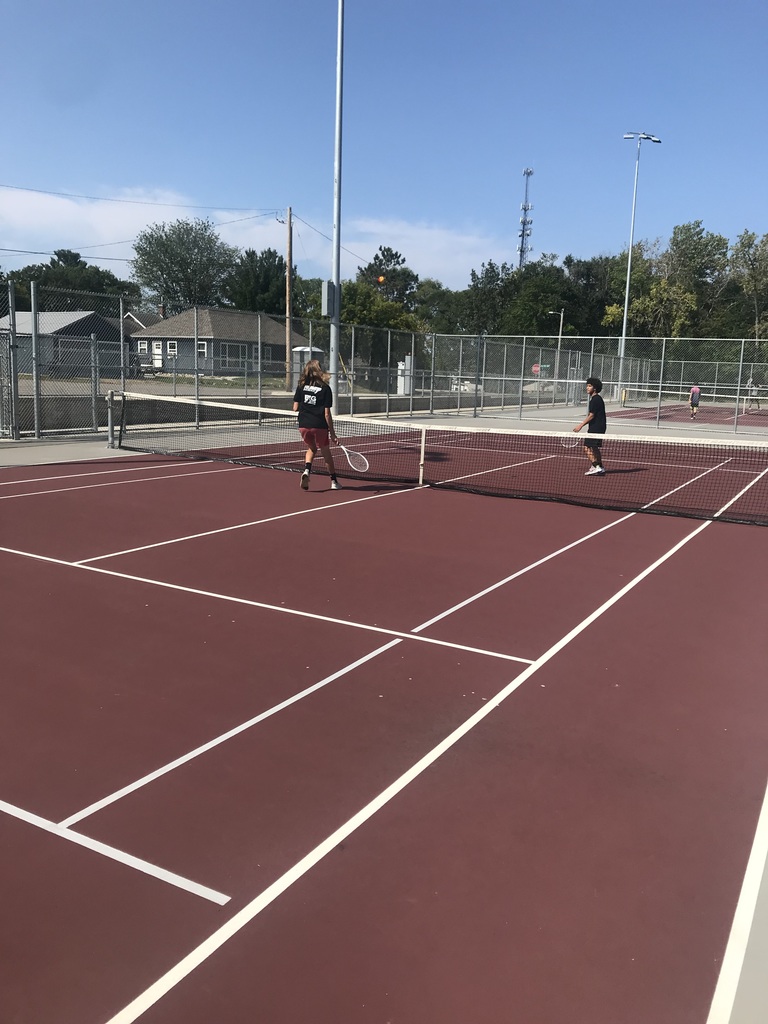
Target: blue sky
{"points": [[227, 111]]}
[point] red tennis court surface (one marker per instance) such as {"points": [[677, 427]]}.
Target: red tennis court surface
{"points": [[377, 756]]}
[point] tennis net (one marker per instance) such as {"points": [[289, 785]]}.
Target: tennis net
{"points": [[702, 479]]}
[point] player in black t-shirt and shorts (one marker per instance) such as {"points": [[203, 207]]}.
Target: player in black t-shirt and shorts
{"points": [[595, 424], [313, 401]]}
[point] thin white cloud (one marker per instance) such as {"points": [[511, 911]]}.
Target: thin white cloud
{"points": [[36, 222]]}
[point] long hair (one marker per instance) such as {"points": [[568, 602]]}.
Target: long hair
{"points": [[313, 374]]}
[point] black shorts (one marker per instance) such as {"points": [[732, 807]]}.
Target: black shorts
{"points": [[593, 442]]}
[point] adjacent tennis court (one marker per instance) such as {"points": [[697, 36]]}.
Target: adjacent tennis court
{"points": [[404, 752]]}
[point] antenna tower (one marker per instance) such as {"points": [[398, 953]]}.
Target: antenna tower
{"points": [[525, 223]]}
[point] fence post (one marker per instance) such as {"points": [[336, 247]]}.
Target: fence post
{"points": [[94, 382], [122, 344], [432, 376], [411, 384], [13, 363], [197, 376], [351, 374], [738, 388], [503, 374], [35, 358], [661, 381], [258, 358], [110, 419], [389, 356], [522, 381]]}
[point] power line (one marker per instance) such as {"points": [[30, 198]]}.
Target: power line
{"points": [[136, 202], [329, 239]]}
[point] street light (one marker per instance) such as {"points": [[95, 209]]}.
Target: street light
{"points": [[641, 137], [561, 314]]}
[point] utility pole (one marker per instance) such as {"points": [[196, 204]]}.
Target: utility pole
{"points": [[525, 223], [288, 302]]}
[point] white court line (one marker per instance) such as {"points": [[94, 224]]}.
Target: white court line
{"points": [[401, 634], [217, 939], [109, 483], [521, 572], [735, 951], [497, 469], [242, 526], [184, 759], [693, 481], [100, 472], [119, 855], [99, 805]]}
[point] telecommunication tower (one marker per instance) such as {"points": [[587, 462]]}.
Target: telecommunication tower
{"points": [[525, 223]]}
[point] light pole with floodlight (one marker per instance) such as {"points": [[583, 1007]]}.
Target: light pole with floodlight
{"points": [[641, 137], [561, 314]]}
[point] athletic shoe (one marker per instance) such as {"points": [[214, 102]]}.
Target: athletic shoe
{"points": [[335, 485], [592, 471], [305, 481], [600, 470]]}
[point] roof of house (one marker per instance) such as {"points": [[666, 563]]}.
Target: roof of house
{"points": [[54, 323], [133, 322], [221, 324]]}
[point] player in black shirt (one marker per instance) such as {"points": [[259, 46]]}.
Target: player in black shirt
{"points": [[595, 424], [313, 401]]}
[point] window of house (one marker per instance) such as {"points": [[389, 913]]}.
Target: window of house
{"points": [[143, 347], [232, 355], [202, 350], [172, 348]]}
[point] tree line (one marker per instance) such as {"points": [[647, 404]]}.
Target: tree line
{"points": [[697, 286]]}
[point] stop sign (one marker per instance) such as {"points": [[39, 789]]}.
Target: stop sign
{"points": [[535, 368]]}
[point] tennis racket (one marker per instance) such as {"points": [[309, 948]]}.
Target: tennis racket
{"points": [[356, 460], [569, 442]]}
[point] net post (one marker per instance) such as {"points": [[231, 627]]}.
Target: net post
{"points": [[422, 455]]}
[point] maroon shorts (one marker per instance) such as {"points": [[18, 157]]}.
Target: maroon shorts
{"points": [[314, 437]]}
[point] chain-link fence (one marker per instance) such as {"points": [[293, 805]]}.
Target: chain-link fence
{"points": [[61, 357]]}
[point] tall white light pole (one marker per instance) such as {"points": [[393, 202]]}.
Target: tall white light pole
{"points": [[336, 273], [640, 136]]}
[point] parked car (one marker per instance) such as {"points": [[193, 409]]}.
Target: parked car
{"points": [[466, 385]]}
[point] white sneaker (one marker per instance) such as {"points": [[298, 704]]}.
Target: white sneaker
{"points": [[305, 481], [600, 470], [594, 470], [335, 485]]}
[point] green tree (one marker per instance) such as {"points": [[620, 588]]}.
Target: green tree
{"points": [[307, 297], [362, 304], [183, 264], [695, 259], [257, 282], [592, 285], [667, 311], [749, 266], [435, 306], [540, 286], [483, 303], [388, 273], [69, 272]]}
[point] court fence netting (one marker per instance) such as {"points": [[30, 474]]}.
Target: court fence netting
{"points": [[700, 479]]}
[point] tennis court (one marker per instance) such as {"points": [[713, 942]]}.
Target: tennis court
{"points": [[396, 753]]}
